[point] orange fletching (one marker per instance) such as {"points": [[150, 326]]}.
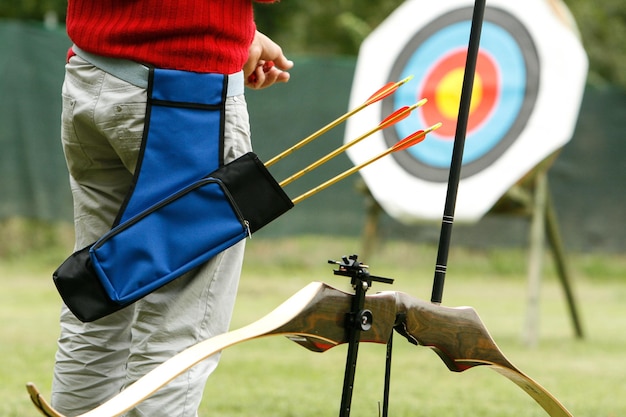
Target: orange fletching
{"points": [[386, 91], [412, 139]]}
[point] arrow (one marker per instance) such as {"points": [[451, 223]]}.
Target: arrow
{"points": [[385, 91], [405, 143], [454, 176], [390, 120]]}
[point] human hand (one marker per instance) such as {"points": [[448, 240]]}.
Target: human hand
{"points": [[266, 63]]}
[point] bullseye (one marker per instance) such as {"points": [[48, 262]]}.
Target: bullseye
{"points": [[447, 97]]}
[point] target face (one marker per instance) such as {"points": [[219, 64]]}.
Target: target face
{"points": [[528, 86], [505, 90]]}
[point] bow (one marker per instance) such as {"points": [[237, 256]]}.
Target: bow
{"points": [[315, 318]]}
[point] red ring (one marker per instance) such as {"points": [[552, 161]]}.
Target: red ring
{"points": [[489, 75]]}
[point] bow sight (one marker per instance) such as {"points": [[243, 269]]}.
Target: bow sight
{"points": [[357, 320]]}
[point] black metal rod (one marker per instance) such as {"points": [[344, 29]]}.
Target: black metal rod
{"points": [[457, 152], [385, 412], [354, 334]]}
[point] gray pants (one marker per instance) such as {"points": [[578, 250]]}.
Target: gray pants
{"points": [[103, 121]]}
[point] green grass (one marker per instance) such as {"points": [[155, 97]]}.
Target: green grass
{"points": [[275, 377]]}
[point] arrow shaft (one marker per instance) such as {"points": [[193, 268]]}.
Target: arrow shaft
{"points": [[326, 158], [315, 135], [379, 95], [457, 152], [392, 119], [339, 177], [400, 145]]}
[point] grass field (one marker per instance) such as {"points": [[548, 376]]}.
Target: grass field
{"points": [[275, 377]]}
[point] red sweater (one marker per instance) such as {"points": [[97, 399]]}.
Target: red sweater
{"points": [[190, 35]]}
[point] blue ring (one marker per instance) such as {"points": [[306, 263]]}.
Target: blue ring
{"points": [[512, 85], [514, 53]]}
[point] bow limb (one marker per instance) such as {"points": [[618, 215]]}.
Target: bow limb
{"points": [[462, 341], [314, 317]]}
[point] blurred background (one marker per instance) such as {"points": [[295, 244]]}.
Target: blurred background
{"points": [[323, 39]]}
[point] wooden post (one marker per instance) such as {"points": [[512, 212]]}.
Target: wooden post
{"points": [[544, 224], [558, 253], [535, 261], [373, 210]]}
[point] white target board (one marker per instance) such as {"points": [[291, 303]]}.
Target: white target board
{"points": [[528, 86]]}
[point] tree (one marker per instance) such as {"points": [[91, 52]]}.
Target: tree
{"points": [[323, 27], [33, 9], [602, 25]]}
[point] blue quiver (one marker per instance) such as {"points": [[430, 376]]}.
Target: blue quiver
{"points": [[176, 217]]}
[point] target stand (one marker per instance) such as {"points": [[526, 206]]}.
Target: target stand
{"points": [[531, 198]]}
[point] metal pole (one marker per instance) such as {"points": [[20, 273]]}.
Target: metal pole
{"points": [[354, 333], [385, 411]]}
